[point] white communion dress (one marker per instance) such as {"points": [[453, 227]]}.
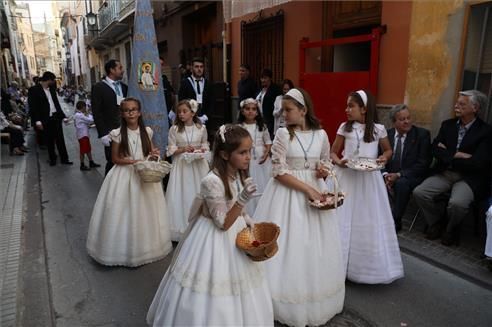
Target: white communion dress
{"points": [[210, 282], [369, 242], [185, 177], [260, 173], [129, 224], [306, 276]]}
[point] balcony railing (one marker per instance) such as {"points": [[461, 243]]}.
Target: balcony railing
{"points": [[115, 10]]}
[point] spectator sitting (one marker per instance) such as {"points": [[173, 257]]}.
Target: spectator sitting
{"points": [[408, 166], [488, 242], [462, 151], [16, 141]]}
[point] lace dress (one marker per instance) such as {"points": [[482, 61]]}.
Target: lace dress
{"points": [[185, 177], [369, 242], [210, 282], [260, 173], [129, 224], [306, 276]]}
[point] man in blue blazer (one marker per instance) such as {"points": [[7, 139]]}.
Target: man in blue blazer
{"points": [[462, 150], [410, 161]]}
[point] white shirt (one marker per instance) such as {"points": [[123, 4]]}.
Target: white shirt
{"points": [[50, 100], [82, 123], [111, 83], [403, 137]]}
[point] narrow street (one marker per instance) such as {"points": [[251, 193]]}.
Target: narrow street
{"points": [[61, 285]]}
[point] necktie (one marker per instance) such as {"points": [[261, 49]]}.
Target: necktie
{"points": [[461, 135], [117, 88], [397, 155], [197, 86]]}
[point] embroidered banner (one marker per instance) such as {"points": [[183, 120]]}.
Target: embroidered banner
{"points": [[145, 76]]}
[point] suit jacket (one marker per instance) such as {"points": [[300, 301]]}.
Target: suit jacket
{"points": [[416, 155], [105, 109], [477, 142], [39, 106], [247, 89], [269, 100], [186, 91]]}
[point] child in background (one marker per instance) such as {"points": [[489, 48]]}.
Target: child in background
{"points": [[287, 84], [187, 135], [129, 224], [210, 282], [260, 167], [83, 120], [306, 277], [370, 246]]}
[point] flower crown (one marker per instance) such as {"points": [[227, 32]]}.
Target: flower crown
{"points": [[193, 105]]}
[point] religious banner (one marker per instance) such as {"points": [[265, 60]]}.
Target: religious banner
{"points": [[145, 76]]}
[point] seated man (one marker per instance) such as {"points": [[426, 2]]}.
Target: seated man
{"points": [[462, 150], [488, 243], [410, 162]]}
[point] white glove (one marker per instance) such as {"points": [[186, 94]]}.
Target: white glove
{"points": [[247, 192], [106, 140], [248, 220], [203, 119]]}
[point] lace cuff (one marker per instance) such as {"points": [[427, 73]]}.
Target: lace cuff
{"points": [[171, 142], [279, 153]]}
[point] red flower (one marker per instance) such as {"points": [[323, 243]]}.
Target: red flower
{"points": [[255, 243]]}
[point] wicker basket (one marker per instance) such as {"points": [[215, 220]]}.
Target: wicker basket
{"points": [[152, 171], [332, 199], [260, 242]]}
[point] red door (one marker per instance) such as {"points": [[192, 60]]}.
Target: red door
{"points": [[329, 90]]}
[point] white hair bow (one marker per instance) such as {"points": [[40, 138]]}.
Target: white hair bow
{"points": [[222, 131]]}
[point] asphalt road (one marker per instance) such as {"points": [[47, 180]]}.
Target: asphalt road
{"points": [[61, 285]]}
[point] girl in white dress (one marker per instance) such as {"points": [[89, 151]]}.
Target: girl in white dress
{"points": [[129, 224], [187, 135], [210, 282], [370, 247], [287, 84], [306, 276], [260, 167]]}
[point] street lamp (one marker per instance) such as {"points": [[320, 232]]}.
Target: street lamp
{"points": [[91, 19]]}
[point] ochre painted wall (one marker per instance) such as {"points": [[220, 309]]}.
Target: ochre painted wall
{"points": [[435, 41], [393, 60]]}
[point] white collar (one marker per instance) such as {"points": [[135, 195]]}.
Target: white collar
{"points": [[110, 80]]}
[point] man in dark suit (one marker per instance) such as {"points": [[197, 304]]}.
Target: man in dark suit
{"points": [[105, 102], [169, 92], [246, 86], [463, 153], [48, 115], [266, 98], [199, 88], [410, 161]]}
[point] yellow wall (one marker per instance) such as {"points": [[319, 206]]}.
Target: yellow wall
{"points": [[433, 60]]}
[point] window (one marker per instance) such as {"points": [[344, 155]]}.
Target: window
{"points": [[263, 45]]}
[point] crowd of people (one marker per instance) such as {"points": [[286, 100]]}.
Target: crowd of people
{"points": [[269, 166]]}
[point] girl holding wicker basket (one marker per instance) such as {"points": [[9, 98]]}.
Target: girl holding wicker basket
{"points": [[129, 224], [187, 144], [306, 277], [210, 282]]}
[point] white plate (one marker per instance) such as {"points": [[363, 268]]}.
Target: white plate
{"points": [[364, 164]]}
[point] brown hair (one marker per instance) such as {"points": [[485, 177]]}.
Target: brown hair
{"points": [[234, 135], [123, 150], [371, 115], [179, 123], [312, 122]]}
